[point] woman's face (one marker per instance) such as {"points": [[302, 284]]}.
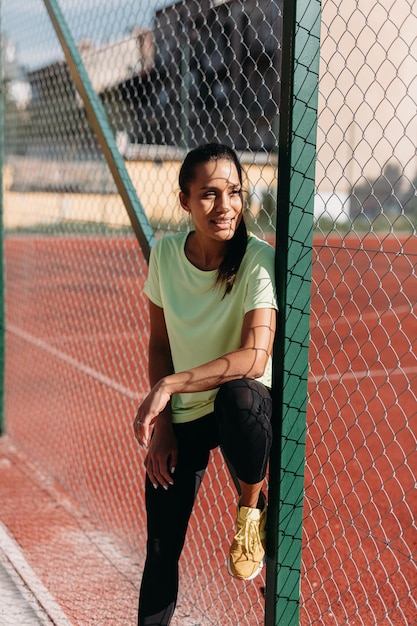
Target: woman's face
{"points": [[215, 199]]}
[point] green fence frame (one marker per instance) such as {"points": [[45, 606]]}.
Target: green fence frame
{"points": [[99, 122], [296, 183], [297, 149], [2, 299]]}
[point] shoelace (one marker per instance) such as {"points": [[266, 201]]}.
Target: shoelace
{"points": [[248, 535]]}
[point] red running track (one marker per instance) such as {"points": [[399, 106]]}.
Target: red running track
{"points": [[76, 369]]}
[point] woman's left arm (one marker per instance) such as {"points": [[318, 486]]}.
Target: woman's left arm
{"points": [[248, 361]]}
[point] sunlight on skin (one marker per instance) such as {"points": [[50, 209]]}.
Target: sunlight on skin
{"points": [[214, 200], [215, 205]]}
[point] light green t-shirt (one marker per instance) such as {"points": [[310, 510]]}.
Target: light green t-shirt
{"points": [[201, 324]]}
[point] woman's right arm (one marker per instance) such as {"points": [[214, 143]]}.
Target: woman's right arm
{"points": [[162, 447], [160, 360]]}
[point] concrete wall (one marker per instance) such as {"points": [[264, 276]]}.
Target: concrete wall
{"points": [[156, 183]]}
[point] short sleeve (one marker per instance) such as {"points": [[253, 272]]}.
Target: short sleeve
{"points": [[152, 286], [261, 292]]}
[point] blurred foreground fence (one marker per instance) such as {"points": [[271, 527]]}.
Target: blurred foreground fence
{"points": [[167, 77]]}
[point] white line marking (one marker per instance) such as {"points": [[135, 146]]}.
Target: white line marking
{"points": [[105, 380], [43, 345], [364, 374], [14, 554]]}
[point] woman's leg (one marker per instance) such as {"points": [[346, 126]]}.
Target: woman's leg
{"points": [[243, 410], [168, 513]]}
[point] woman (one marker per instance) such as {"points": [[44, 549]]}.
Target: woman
{"points": [[212, 312]]}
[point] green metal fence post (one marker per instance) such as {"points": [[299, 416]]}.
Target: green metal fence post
{"points": [[100, 125], [2, 304], [297, 152]]}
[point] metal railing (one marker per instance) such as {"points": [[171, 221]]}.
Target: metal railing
{"points": [[75, 193]]}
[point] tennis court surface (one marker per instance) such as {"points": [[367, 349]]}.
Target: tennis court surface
{"points": [[76, 369]]}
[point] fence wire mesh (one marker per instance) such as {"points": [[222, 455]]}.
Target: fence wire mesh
{"points": [[77, 321], [170, 76], [359, 550]]}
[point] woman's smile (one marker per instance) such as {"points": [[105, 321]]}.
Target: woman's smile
{"points": [[223, 223], [215, 200]]}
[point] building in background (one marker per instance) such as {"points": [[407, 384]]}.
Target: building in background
{"points": [[209, 69], [217, 72], [367, 115]]}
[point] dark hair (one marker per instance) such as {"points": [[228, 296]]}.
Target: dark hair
{"points": [[226, 274]]}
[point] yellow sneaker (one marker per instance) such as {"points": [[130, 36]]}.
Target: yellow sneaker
{"points": [[247, 552]]}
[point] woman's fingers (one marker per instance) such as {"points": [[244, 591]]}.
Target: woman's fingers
{"points": [[159, 472], [140, 432], [143, 429]]}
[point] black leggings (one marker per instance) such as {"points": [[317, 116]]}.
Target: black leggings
{"points": [[241, 425]]}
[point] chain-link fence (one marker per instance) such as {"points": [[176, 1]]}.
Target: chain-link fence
{"points": [[77, 321], [359, 550], [168, 77]]}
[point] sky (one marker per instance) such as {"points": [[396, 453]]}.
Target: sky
{"points": [[32, 39]]}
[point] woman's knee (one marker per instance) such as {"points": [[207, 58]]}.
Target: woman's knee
{"points": [[242, 397]]}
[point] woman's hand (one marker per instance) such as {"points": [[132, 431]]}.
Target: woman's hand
{"points": [[162, 456], [153, 429], [148, 412]]}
